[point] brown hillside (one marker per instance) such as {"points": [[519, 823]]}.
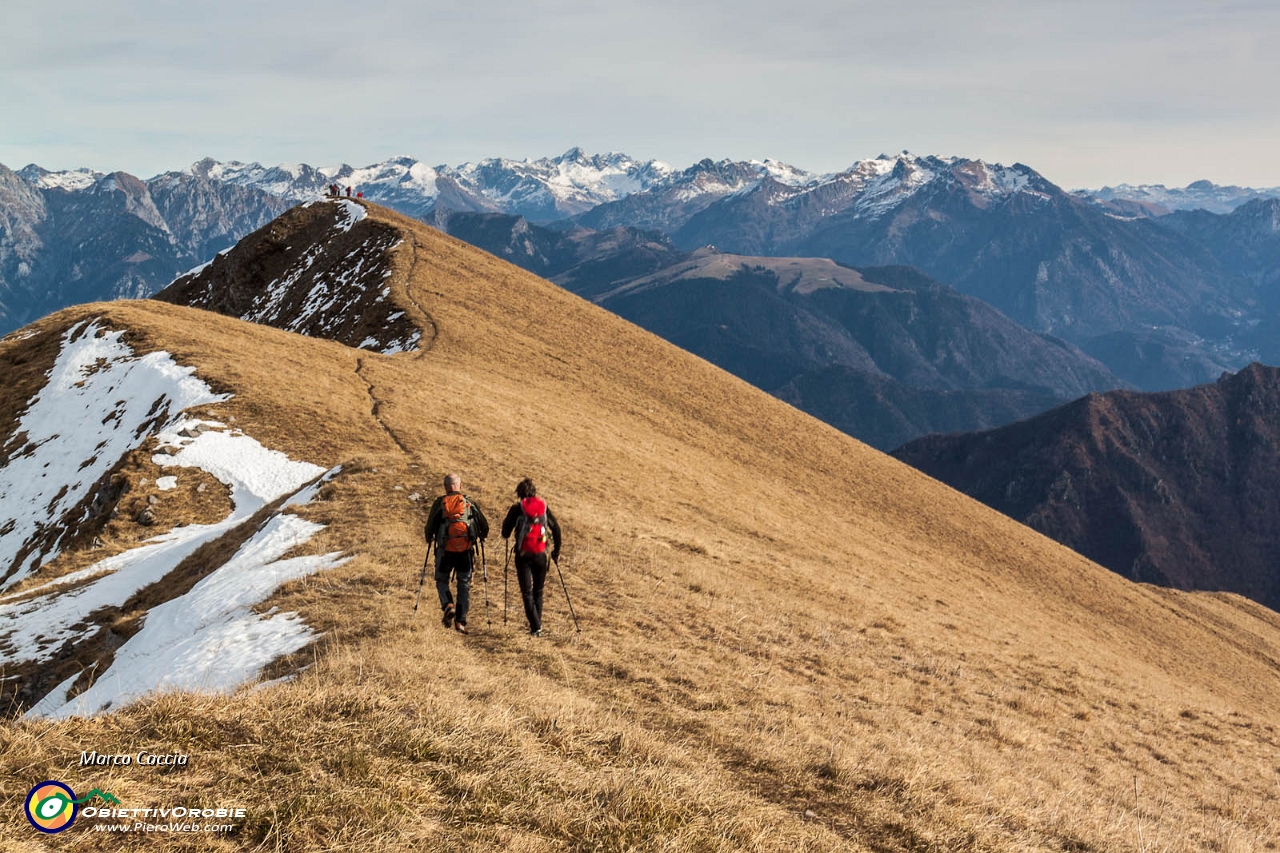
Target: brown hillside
{"points": [[789, 640]]}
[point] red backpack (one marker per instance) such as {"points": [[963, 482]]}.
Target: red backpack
{"points": [[531, 528]]}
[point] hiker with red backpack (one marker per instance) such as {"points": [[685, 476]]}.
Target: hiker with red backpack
{"points": [[535, 527], [455, 526]]}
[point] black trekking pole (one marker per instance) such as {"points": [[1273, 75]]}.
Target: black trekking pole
{"points": [[484, 573], [506, 571], [423, 578], [576, 627]]}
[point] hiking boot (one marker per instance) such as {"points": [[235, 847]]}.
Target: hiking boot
{"points": [[448, 616], [537, 633], [460, 627]]}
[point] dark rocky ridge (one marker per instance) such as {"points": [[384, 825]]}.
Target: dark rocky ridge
{"points": [[1177, 488], [321, 269]]}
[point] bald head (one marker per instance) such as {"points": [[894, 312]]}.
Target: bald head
{"points": [[452, 483]]}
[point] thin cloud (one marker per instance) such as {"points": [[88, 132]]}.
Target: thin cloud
{"points": [[1087, 92]]}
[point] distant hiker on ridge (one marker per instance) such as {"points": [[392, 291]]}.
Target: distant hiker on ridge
{"points": [[530, 520], [454, 525]]}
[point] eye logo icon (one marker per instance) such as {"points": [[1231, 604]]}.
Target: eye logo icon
{"points": [[51, 807]]}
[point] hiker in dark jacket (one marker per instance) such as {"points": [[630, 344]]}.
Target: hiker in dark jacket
{"points": [[530, 520], [454, 525]]}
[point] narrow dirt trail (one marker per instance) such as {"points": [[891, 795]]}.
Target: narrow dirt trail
{"points": [[430, 331], [429, 343], [375, 409]]}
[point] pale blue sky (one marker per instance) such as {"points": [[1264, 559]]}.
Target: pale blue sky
{"points": [[1086, 92]]}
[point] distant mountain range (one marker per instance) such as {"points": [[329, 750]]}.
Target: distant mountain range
{"points": [[67, 238], [541, 190], [1006, 235], [1162, 301], [1157, 199], [1158, 302], [1176, 489]]}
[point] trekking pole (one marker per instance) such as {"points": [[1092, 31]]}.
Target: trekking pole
{"points": [[506, 571], [484, 573], [423, 578], [576, 627]]}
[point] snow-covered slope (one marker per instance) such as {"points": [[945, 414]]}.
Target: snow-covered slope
{"points": [[112, 398], [101, 403]]}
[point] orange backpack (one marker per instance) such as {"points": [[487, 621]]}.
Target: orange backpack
{"points": [[457, 532]]}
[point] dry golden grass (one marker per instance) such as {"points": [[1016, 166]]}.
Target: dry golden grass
{"points": [[790, 641]]}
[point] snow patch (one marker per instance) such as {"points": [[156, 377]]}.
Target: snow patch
{"points": [[26, 335], [196, 270], [349, 214], [56, 698], [100, 402], [308, 493], [36, 627], [408, 344], [255, 474], [210, 639]]}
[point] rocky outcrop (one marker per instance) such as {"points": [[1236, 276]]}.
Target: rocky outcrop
{"points": [[323, 269]]}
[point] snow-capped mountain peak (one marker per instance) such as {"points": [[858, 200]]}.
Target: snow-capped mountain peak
{"points": [[75, 179]]}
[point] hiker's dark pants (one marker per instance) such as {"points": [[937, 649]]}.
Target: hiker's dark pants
{"points": [[450, 562], [531, 571]]}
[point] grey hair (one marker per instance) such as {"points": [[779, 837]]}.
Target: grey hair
{"points": [[452, 482]]}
